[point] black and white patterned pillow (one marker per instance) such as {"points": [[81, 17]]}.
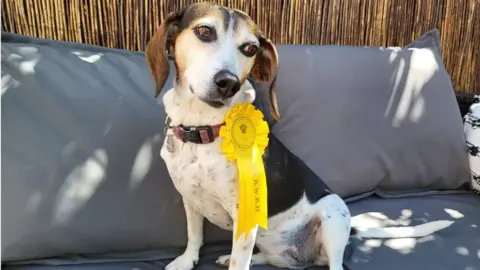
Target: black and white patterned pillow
{"points": [[471, 128]]}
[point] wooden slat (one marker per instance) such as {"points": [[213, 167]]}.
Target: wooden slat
{"points": [[129, 24]]}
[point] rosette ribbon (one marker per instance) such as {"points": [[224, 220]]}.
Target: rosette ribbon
{"points": [[245, 136]]}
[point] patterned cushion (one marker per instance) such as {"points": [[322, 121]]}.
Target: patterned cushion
{"points": [[472, 135]]}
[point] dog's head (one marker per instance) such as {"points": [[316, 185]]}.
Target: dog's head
{"points": [[215, 50]]}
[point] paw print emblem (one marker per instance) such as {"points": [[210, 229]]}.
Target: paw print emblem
{"points": [[243, 128]]}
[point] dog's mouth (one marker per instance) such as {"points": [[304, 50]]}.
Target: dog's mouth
{"points": [[210, 102], [214, 103]]}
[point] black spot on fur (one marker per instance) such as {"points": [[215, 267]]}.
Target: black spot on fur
{"points": [[289, 178], [226, 19]]}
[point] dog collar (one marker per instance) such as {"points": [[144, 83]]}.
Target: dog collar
{"points": [[195, 134]]}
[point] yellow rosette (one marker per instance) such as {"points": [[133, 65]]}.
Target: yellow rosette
{"points": [[245, 135]]}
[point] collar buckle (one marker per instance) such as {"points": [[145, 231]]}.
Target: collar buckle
{"points": [[167, 126]]}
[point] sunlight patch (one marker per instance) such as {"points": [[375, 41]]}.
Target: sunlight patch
{"points": [[402, 245], [462, 251], [143, 162], [27, 67], [374, 243], [454, 213], [92, 58], [79, 186], [34, 201], [8, 82]]}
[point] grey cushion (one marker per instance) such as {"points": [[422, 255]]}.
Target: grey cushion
{"points": [[365, 119], [456, 247]]}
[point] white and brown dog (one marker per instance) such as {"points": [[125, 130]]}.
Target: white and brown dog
{"points": [[215, 51]]}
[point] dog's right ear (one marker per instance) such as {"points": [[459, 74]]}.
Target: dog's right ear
{"points": [[156, 50]]}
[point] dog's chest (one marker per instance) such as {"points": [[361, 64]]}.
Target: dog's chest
{"points": [[204, 178]]}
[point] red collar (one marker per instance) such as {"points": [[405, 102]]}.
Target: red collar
{"points": [[195, 134]]}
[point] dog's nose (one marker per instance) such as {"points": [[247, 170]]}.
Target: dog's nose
{"points": [[228, 83]]}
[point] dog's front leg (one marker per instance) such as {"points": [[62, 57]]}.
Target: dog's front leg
{"points": [[189, 258], [240, 253], [224, 260]]}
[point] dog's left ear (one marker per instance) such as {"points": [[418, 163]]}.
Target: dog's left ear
{"points": [[156, 51], [265, 70]]}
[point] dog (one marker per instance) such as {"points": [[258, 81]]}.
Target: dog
{"points": [[215, 50]]}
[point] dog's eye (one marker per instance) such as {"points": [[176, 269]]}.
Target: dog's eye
{"points": [[249, 49], [204, 33]]}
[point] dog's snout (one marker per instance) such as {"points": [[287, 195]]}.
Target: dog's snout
{"points": [[227, 83]]}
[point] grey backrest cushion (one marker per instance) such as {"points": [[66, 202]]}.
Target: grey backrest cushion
{"points": [[81, 134], [373, 119]]}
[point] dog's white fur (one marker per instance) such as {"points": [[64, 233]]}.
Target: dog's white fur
{"points": [[208, 182]]}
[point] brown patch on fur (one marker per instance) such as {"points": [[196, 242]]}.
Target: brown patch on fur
{"points": [[181, 61], [265, 70], [244, 77], [201, 10], [233, 263], [156, 51], [242, 17]]}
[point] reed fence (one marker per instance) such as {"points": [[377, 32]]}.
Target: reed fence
{"points": [[128, 24]]}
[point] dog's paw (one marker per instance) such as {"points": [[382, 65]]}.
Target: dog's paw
{"points": [[223, 260], [257, 259], [183, 262]]}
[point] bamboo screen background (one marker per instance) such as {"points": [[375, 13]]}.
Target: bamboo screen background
{"points": [[128, 24]]}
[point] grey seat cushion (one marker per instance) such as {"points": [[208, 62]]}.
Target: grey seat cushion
{"points": [[456, 247]]}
